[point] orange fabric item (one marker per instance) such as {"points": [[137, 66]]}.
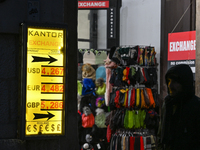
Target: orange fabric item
{"points": [[124, 75], [88, 121], [152, 102], [143, 104]]}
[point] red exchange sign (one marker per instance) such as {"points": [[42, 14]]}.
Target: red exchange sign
{"points": [[182, 46], [93, 4]]}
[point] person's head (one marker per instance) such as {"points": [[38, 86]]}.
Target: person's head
{"points": [[179, 80], [174, 86]]}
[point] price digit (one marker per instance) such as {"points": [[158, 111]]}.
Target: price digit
{"points": [[56, 88], [52, 71], [52, 105], [61, 72], [56, 104], [61, 105], [43, 71], [61, 88], [52, 88], [42, 104], [43, 88], [57, 71]]}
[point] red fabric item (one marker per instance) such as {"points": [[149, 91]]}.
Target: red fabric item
{"points": [[132, 103], [138, 57], [116, 101], [87, 121], [108, 135], [145, 79], [141, 143], [79, 112], [128, 69], [132, 141]]}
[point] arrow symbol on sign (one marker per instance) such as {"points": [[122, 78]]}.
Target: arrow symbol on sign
{"points": [[40, 59], [40, 116]]}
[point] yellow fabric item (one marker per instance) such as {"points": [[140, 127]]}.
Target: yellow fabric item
{"points": [[125, 97], [101, 89], [123, 90], [137, 97]]}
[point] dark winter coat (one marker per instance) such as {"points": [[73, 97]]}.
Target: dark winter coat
{"points": [[181, 114]]}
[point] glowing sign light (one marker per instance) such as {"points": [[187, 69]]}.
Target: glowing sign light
{"points": [[45, 78]]}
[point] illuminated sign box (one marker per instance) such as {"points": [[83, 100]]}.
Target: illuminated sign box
{"points": [[44, 96]]}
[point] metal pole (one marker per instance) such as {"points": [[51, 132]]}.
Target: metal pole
{"points": [[197, 64]]}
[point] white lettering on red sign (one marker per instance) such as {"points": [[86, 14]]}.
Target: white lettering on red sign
{"points": [[182, 46], [93, 4]]}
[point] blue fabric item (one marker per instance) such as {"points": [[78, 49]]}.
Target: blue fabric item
{"points": [[129, 98], [101, 73], [88, 86]]}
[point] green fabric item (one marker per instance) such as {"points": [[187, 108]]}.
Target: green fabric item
{"points": [[143, 116], [126, 119], [100, 120], [79, 88], [137, 119], [133, 71], [131, 120], [134, 118]]}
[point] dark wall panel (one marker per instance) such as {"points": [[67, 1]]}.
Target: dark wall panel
{"points": [[174, 18]]}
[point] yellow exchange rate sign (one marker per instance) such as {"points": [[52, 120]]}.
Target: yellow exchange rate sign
{"points": [[45, 82]]}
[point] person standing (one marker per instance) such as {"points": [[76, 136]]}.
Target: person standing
{"points": [[180, 115]]}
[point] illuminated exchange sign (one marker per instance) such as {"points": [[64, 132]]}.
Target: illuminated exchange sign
{"points": [[93, 4], [45, 78], [182, 49]]}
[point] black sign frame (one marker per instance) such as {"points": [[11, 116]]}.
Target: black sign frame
{"points": [[22, 77]]}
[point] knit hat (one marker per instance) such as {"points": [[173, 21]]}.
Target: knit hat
{"points": [[88, 138], [88, 86], [100, 57], [89, 58], [86, 110], [99, 82], [101, 73], [88, 71], [100, 102], [100, 118], [87, 146]]}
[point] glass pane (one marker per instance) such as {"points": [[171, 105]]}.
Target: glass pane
{"points": [[92, 29]]}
